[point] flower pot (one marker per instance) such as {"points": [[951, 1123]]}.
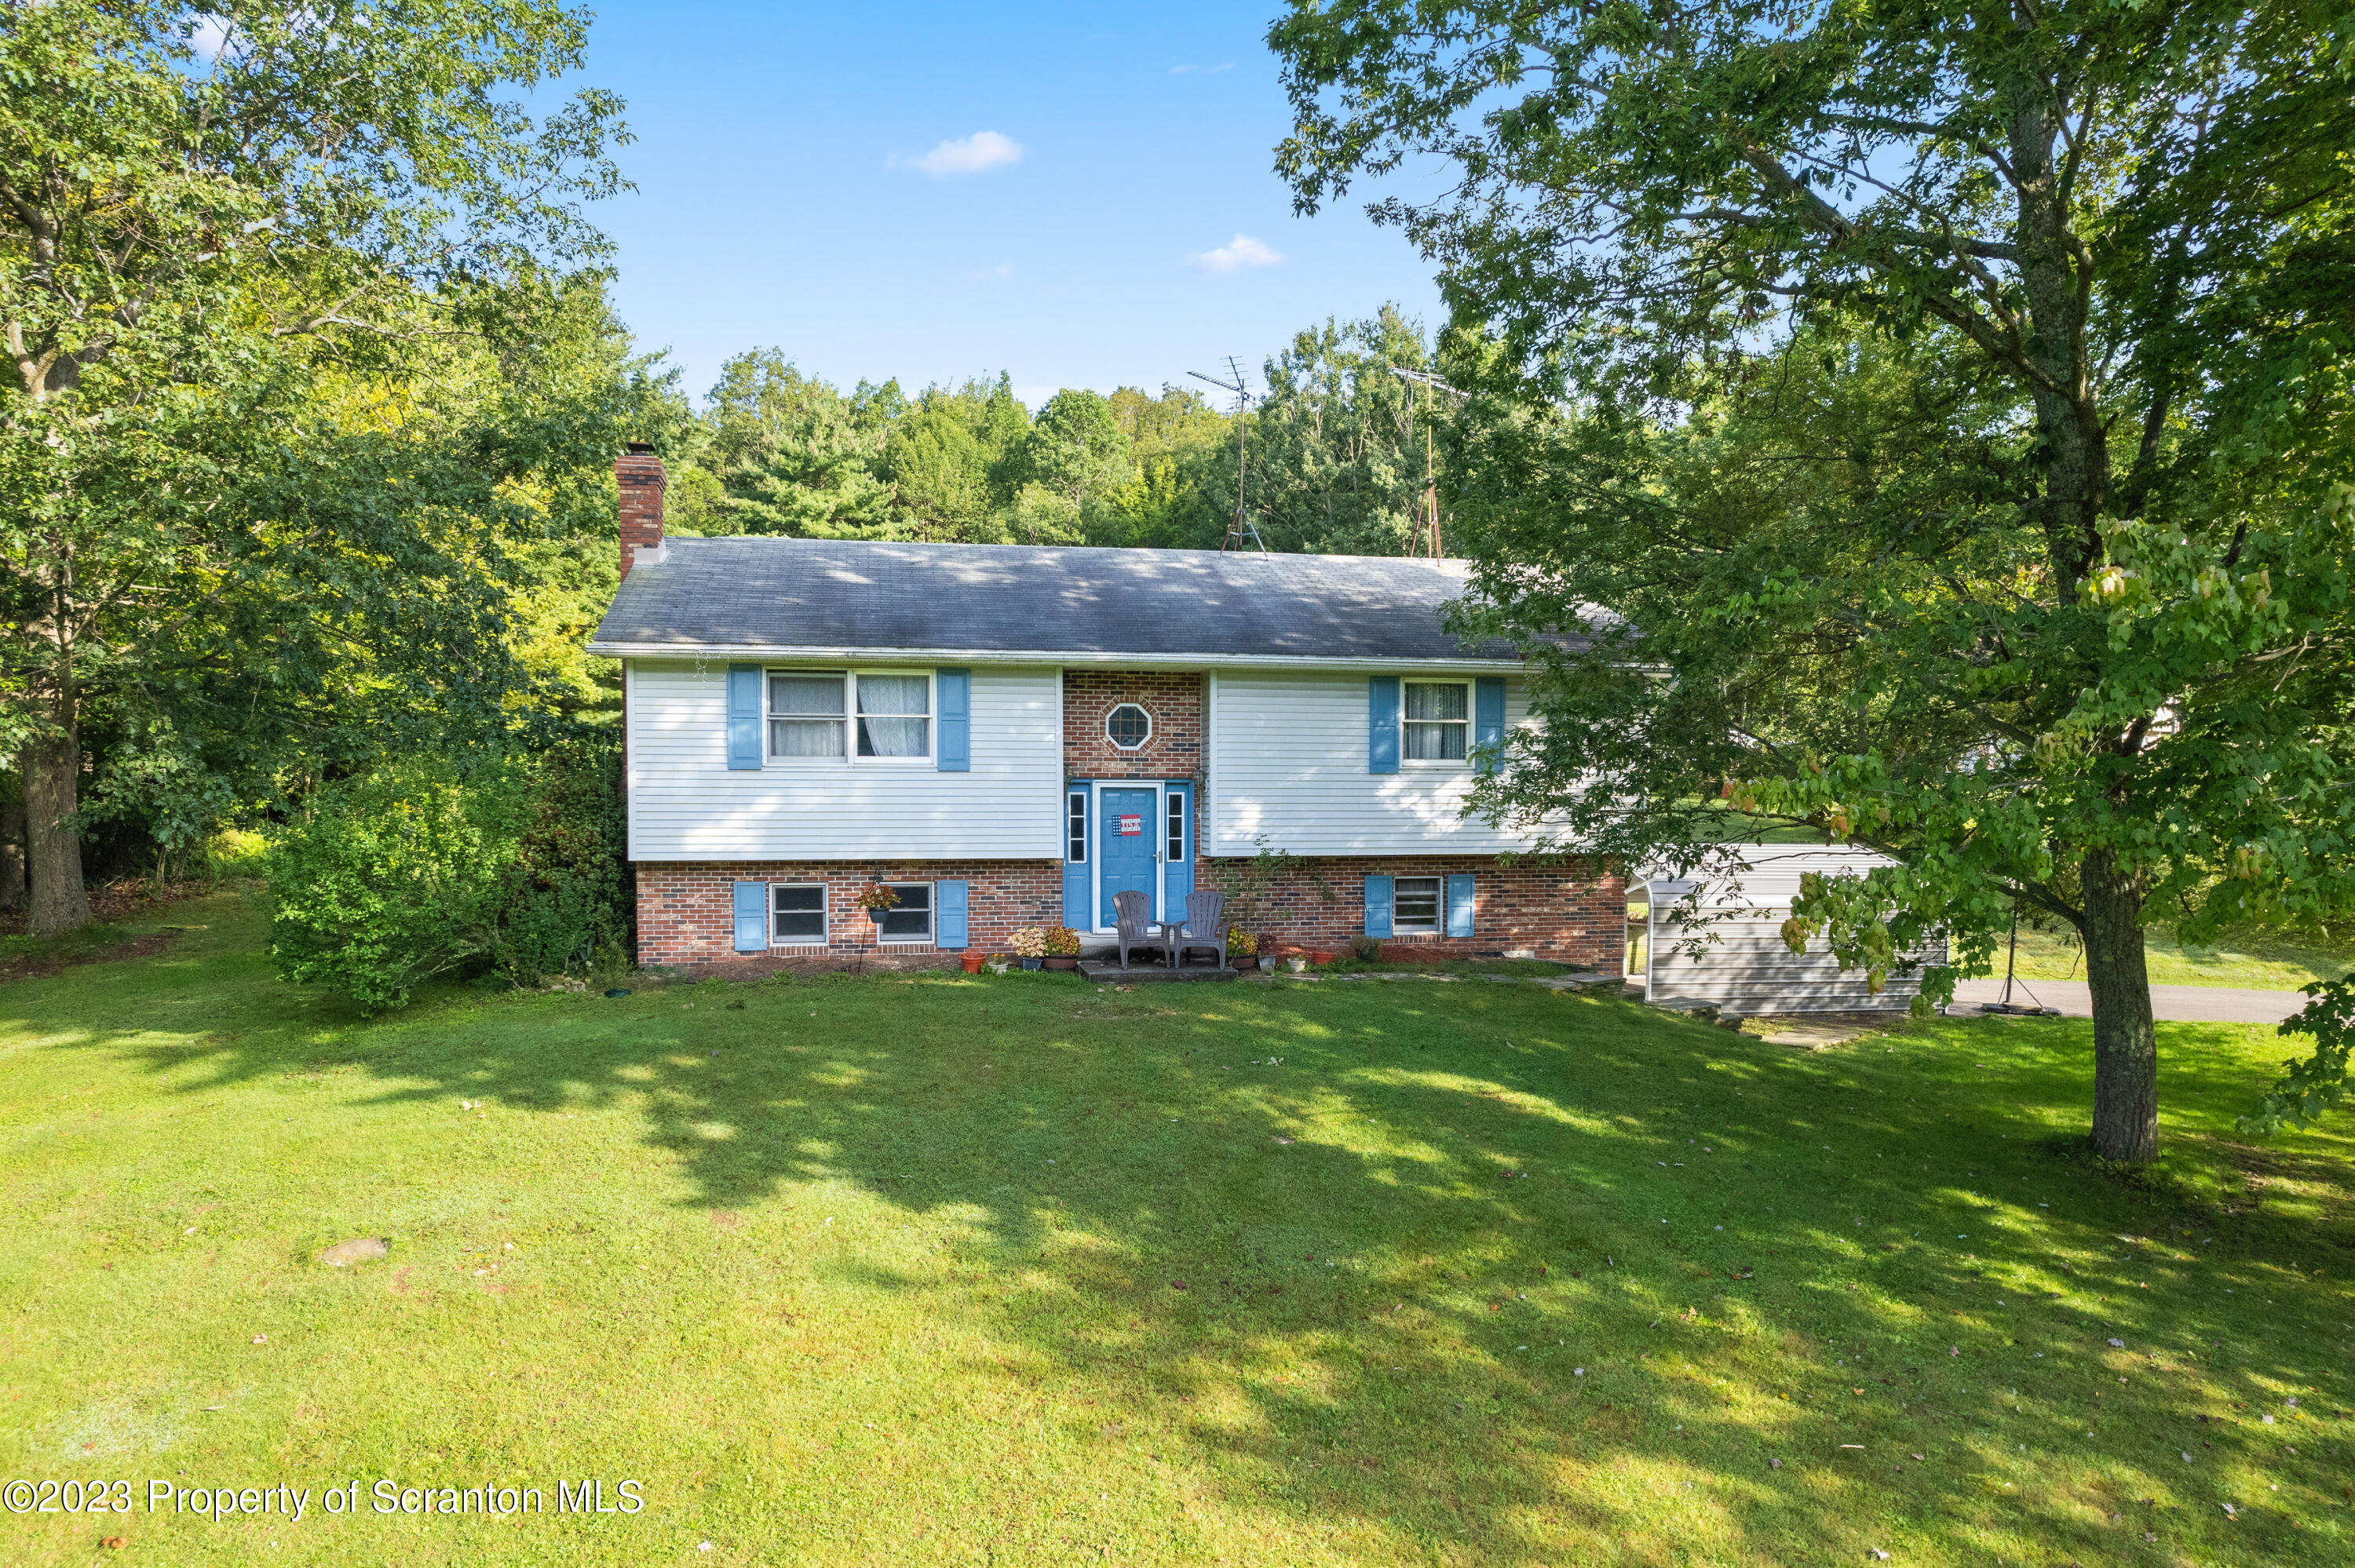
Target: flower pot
{"points": [[876, 915], [1320, 957], [972, 962], [1062, 961], [1295, 964], [1000, 966], [1032, 963]]}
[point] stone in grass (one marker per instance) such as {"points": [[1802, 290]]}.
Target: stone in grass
{"points": [[360, 1249]]}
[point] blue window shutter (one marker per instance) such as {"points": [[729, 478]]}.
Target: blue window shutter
{"points": [[1378, 906], [948, 914], [1459, 906], [744, 720], [1076, 892], [1382, 724], [752, 916], [955, 687], [1488, 719]]}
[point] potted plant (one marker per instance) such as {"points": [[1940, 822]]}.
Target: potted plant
{"points": [[1000, 963], [875, 899], [971, 958], [1031, 945], [1062, 948], [1242, 949]]}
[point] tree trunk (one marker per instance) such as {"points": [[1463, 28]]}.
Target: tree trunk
{"points": [[52, 777], [2126, 1046], [12, 850]]}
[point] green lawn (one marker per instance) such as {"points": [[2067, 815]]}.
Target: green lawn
{"points": [[1014, 1270], [2259, 963]]}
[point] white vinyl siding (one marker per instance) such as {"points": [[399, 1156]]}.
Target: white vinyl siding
{"points": [[1288, 755], [1747, 967], [687, 804]]}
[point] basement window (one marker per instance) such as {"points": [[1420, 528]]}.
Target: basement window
{"points": [[1415, 909]]}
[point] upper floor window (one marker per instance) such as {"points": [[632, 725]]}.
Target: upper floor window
{"points": [[1128, 726], [818, 714], [895, 715], [1438, 718], [805, 715]]}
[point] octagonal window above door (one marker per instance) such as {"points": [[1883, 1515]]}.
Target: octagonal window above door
{"points": [[1128, 726]]}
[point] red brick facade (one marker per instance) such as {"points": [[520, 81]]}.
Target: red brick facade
{"points": [[639, 478], [1174, 750], [1566, 911], [687, 910], [1572, 911]]}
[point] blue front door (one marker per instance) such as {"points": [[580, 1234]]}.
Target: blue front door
{"points": [[1127, 858]]}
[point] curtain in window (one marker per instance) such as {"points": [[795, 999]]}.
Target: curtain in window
{"points": [[805, 715], [892, 719], [1436, 720]]}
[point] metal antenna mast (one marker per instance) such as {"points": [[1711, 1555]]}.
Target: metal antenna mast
{"points": [[1240, 532], [1429, 516]]}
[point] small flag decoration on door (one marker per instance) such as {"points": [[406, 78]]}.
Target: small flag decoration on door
{"points": [[1130, 826]]}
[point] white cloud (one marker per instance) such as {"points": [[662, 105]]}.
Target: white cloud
{"points": [[210, 36], [1240, 252], [969, 154]]}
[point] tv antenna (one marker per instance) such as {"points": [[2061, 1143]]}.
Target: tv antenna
{"points": [[1427, 516], [1240, 532]]}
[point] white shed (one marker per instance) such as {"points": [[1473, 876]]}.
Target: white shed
{"points": [[1746, 968]]}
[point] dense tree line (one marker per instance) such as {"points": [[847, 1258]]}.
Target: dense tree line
{"points": [[1334, 454]]}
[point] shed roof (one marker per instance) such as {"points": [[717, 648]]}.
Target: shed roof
{"points": [[769, 596]]}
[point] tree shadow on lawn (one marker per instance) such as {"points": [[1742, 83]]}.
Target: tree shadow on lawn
{"points": [[1351, 1243]]}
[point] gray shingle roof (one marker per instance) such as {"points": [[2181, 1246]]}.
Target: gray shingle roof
{"points": [[833, 594]]}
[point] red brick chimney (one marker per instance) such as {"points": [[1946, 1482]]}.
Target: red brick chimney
{"points": [[640, 478]]}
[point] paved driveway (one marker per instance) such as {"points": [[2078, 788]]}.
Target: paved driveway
{"points": [[2182, 1004]]}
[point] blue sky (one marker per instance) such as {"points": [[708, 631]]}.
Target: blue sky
{"points": [[934, 192]]}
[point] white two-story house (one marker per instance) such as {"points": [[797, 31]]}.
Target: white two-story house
{"points": [[1009, 735]]}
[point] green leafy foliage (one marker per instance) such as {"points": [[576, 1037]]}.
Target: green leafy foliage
{"points": [[391, 879], [221, 227], [1949, 418], [415, 871], [2308, 1088], [1336, 455]]}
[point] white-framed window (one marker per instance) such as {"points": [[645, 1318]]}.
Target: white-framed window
{"points": [[1075, 827], [797, 913], [851, 716], [1437, 718], [1128, 726], [805, 712], [1176, 827], [895, 714], [1414, 906], [910, 919]]}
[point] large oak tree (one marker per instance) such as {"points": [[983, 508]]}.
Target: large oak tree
{"points": [[1950, 396]]}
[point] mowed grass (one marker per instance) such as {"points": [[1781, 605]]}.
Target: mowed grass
{"points": [[1014, 1270], [2256, 963]]}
